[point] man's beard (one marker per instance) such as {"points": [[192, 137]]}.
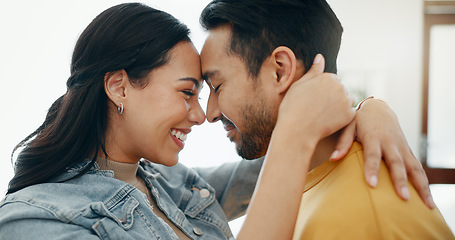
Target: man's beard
{"points": [[258, 124]]}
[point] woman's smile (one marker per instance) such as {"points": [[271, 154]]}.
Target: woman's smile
{"points": [[179, 136]]}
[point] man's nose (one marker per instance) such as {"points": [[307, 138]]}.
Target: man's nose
{"points": [[213, 110]]}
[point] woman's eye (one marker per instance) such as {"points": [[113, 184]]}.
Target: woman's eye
{"points": [[188, 93]]}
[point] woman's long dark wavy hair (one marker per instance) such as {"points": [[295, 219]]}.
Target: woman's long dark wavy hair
{"points": [[131, 36]]}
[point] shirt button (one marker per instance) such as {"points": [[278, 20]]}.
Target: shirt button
{"points": [[197, 231], [204, 193]]}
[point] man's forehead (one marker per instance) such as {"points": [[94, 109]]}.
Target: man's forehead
{"points": [[213, 56], [217, 41]]}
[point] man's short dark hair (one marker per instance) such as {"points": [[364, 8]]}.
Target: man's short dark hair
{"points": [[307, 27]]}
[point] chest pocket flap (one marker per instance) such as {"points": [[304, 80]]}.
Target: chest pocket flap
{"points": [[121, 212], [201, 198]]}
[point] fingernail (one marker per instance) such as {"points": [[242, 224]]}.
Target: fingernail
{"points": [[373, 181], [431, 202], [317, 59], [405, 193], [334, 154]]}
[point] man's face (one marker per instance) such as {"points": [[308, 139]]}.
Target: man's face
{"points": [[239, 101]]}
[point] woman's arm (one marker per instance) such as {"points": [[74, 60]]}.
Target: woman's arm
{"points": [[377, 128], [20, 220], [301, 124]]}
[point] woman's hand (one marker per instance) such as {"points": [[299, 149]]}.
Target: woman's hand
{"points": [[377, 128], [314, 107], [317, 103]]}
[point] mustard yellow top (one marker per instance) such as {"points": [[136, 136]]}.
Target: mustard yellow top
{"points": [[339, 204]]}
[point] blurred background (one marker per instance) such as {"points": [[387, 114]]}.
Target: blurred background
{"points": [[402, 51]]}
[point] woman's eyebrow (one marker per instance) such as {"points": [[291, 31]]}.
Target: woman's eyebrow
{"points": [[196, 82]]}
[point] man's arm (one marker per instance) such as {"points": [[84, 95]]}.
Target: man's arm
{"points": [[234, 184]]}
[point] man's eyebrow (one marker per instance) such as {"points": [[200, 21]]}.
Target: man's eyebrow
{"points": [[196, 82], [210, 74]]}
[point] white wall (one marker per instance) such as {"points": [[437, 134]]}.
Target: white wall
{"points": [[381, 52]]}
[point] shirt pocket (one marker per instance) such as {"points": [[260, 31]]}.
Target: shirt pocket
{"points": [[112, 222], [205, 212], [200, 198]]}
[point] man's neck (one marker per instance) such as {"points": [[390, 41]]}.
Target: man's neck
{"points": [[324, 150]]}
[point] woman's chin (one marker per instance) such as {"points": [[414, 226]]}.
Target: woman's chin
{"points": [[169, 162]]}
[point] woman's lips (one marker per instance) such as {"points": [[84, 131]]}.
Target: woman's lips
{"points": [[179, 136]]}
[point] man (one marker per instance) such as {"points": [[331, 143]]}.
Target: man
{"points": [[393, 149], [254, 52]]}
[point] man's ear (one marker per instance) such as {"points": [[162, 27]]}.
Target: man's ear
{"points": [[285, 65], [115, 86]]}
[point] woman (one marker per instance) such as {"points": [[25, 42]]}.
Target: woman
{"points": [[132, 94]]}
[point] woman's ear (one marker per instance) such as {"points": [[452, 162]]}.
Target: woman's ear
{"points": [[285, 66], [115, 85]]}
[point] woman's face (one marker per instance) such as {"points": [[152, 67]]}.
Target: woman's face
{"points": [[158, 117]]}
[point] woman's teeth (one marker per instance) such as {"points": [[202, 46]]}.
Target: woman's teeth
{"points": [[179, 135]]}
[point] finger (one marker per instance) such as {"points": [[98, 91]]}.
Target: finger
{"points": [[372, 153], [352, 100], [398, 173], [419, 179], [344, 142], [317, 68]]}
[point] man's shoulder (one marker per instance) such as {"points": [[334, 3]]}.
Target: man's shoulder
{"points": [[343, 200]]}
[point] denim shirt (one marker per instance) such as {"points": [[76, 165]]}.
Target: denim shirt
{"points": [[95, 205]]}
